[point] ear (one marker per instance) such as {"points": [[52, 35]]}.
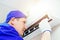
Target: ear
{"points": [[13, 20]]}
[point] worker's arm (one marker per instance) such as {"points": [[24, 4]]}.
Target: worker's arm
{"points": [[45, 30], [46, 36]]}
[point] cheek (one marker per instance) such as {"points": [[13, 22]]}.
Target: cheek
{"points": [[21, 25]]}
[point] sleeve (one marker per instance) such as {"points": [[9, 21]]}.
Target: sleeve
{"points": [[44, 26]]}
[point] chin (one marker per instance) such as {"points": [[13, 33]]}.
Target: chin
{"points": [[21, 34]]}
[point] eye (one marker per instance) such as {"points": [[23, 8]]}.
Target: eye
{"points": [[24, 22]]}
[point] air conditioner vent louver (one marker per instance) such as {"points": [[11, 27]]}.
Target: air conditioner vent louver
{"points": [[30, 30]]}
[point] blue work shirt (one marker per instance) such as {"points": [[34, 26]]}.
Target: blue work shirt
{"points": [[7, 32]]}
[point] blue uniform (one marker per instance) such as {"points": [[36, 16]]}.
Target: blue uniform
{"points": [[7, 32]]}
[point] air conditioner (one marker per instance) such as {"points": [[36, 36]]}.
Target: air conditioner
{"points": [[34, 29]]}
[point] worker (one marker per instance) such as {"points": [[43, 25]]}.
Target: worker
{"points": [[15, 25]]}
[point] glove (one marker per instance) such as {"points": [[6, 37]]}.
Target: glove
{"points": [[44, 26]]}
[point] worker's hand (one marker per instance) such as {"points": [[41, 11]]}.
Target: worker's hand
{"points": [[44, 25]]}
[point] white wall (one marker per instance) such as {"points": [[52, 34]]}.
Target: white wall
{"points": [[3, 11], [19, 4]]}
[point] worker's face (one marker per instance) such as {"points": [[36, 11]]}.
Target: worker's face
{"points": [[20, 25]]}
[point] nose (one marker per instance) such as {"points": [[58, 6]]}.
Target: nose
{"points": [[25, 27]]}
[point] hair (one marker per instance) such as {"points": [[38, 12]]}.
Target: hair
{"points": [[15, 14]]}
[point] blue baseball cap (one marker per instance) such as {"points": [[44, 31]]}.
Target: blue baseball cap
{"points": [[16, 14]]}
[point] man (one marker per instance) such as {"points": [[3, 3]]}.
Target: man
{"points": [[14, 26]]}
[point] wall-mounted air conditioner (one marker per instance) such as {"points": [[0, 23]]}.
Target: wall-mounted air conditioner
{"points": [[34, 29]]}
